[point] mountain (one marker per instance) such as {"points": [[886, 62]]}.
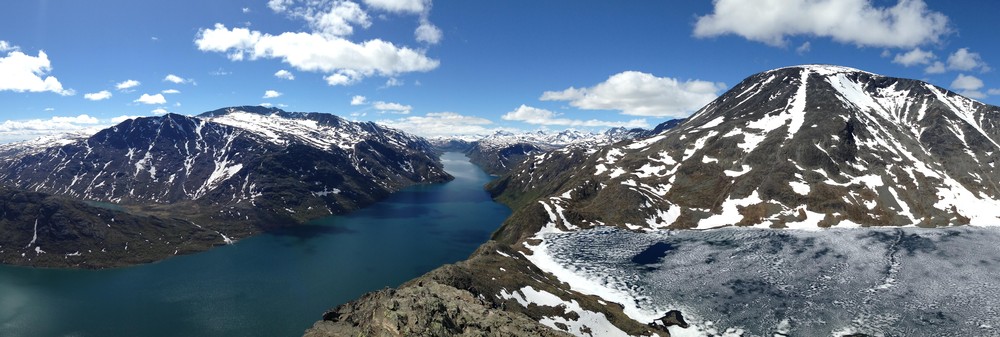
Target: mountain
{"points": [[499, 152], [805, 147], [797, 147], [45, 230], [236, 170]]}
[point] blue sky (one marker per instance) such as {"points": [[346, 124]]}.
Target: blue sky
{"points": [[454, 66]]}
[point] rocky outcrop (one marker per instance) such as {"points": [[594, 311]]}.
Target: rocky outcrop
{"points": [[425, 309]]}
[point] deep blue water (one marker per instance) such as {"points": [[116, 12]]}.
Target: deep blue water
{"points": [[274, 284]]}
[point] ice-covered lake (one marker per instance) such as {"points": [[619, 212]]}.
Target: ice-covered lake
{"points": [[753, 282]]}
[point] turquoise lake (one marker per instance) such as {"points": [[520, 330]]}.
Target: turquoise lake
{"points": [[274, 284]]}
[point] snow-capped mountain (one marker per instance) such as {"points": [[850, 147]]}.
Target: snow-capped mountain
{"points": [[253, 166], [498, 152], [798, 147]]}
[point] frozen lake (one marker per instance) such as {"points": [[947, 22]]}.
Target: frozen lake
{"points": [[753, 282]]}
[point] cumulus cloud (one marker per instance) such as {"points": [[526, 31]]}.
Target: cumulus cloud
{"points": [[442, 124], [119, 119], [346, 62], [127, 84], [392, 107], [325, 48], [358, 100], [968, 86], [98, 96], [271, 94], [907, 24], [935, 68], [6, 46], [964, 60], [160, 111], [175, 79], [284, 74], [20, 72], [15, 130], [914, 57], [151, 99], [428, 33], [330, 18], [641, 94], [532, 115], [400, 6]]}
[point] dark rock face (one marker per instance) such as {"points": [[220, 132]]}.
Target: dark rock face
{"points": [[810, 146], [235, 170]]}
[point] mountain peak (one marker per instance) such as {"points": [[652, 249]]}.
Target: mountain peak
{"points": [[824, 69], [254, 109]]}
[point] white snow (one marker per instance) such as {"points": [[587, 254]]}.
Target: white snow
{"points": [[597, 323]]}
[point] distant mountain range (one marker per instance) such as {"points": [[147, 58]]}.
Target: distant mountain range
{"points": [[497, 153], [805, 147], [235, 171]]}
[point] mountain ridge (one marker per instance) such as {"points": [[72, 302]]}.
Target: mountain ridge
{"points": [[804, 147], [230, 171]]}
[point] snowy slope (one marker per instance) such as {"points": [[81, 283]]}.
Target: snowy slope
{"points": [[803, 147], [230, 156]]}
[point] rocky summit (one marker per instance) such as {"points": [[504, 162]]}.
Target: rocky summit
{"points": [[235, 171]]}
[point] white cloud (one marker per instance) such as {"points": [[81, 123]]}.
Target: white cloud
{"points": [[393, 82], [428, 33], [993, 92], [20, 72], [358, 100], [119, 119], [935, 68], [804, 48], [907, 24], [392, 107], [641, 94], [151, 99], [6, 46], [965, 60], [346, 62], [441, 124], [16, 130], [284, 74], [914, 57], [266, 105], [968, 86], [400, 6], [50, 109], [329, 18], [160, 111], [175, 79], [271, 94], [127, 84], [246, 10], [532, 115], [170, 91], [98, 96]]}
